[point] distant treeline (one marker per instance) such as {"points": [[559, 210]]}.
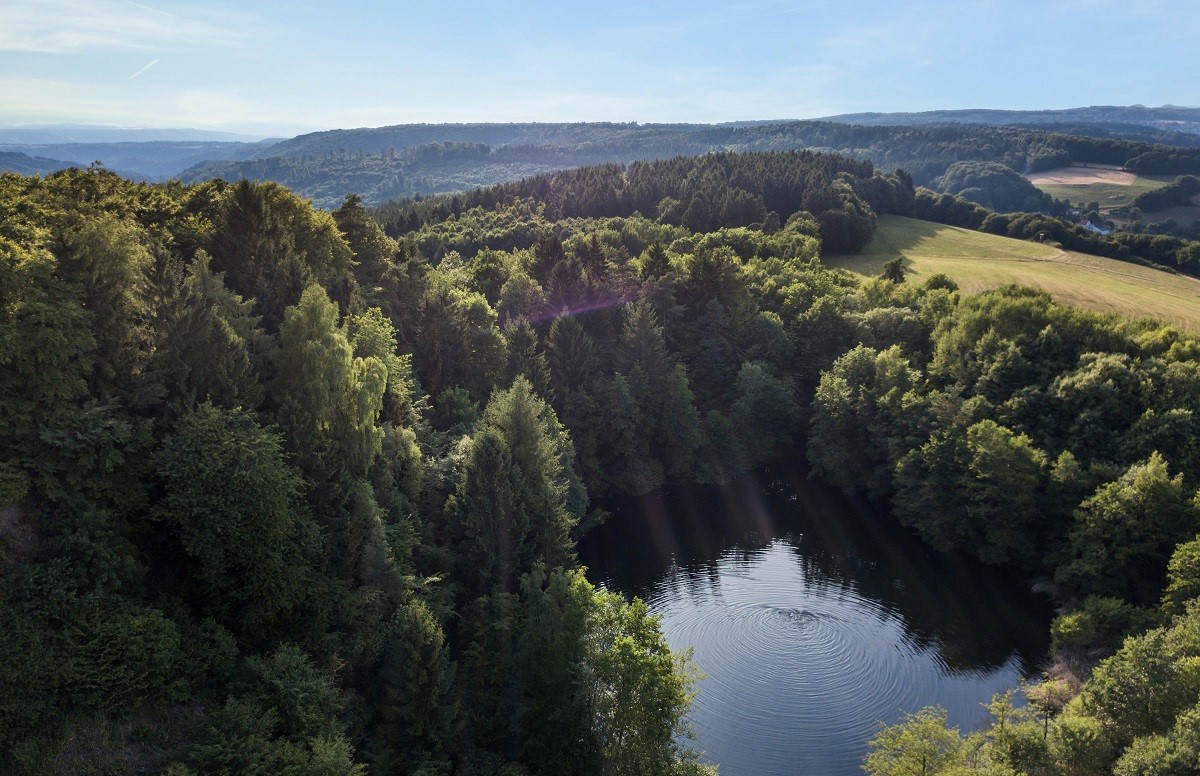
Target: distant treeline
{"points": [[1175, 194], [926, 150], [1119, 130], [1100, 119], [380, 164], [377, 176]]}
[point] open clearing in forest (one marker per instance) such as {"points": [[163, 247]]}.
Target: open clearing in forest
{"points": [[1081, 176], [978, 262], [1110, 186]]}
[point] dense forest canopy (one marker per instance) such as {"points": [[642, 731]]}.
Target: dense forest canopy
{"points": [[995, 186], [701, 194], [727, 189], [283, 490]]}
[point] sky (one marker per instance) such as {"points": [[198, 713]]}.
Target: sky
{"points": [[281, 68]]}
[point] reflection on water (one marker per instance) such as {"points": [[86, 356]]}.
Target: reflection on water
{"points": [[813, 618]]}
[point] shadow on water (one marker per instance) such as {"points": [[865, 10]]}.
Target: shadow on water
{"points": [[976, 618]]}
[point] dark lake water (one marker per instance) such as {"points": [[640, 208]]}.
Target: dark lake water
{"points": [[813, 618]]}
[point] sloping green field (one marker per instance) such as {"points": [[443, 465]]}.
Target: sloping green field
{"points": [[978, 261], [1184, 214]]}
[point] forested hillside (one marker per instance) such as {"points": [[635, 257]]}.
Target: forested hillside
{"points": [[282, 493], [699, 193], [728, 189], [156, 160], [996, 187], [1180, 122], [16, 161], [425, 169], [406, 160], [383, 163]]}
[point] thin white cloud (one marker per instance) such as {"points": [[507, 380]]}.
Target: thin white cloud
{"points": [[143, 69], [65, 26]]}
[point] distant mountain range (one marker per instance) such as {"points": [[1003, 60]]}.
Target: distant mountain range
{"points": [[57, 134], [1168, 118], [387, 162]]}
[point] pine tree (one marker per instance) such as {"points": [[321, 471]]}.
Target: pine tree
{"points": [[572, 355], [655, 263], [211, 346], [525, 357]]}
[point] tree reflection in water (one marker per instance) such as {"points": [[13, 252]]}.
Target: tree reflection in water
{"points": [[814, 616]]}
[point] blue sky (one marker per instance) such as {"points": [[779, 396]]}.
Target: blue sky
{"points": [[286, 67]]}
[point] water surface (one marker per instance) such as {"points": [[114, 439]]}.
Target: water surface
{"points": [[813, 618]]}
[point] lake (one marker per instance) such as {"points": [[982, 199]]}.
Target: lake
{"points": [[814, 618]]}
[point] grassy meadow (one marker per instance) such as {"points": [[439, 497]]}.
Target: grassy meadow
{"points": [[978, 261], [1184, 214]]}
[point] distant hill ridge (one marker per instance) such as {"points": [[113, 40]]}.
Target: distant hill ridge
{"points": [[401, 136], [381, 164], [41, 134], [1151, 124], [401, 160], [13, 161], [1166, 117]]}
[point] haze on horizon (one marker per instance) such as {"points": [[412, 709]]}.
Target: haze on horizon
{"points": [[281, 68]]}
